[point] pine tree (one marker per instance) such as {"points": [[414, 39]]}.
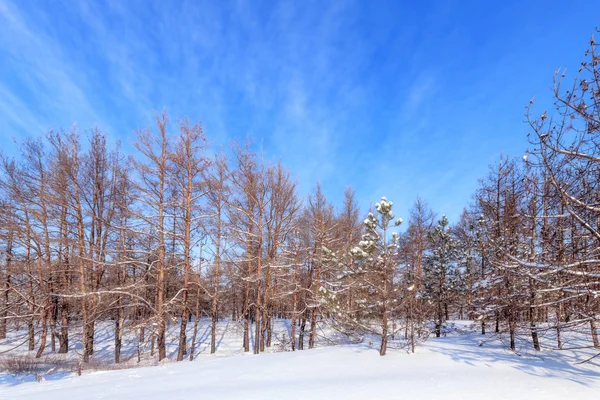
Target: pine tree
{"points": [[377, 255], [441, 275]]}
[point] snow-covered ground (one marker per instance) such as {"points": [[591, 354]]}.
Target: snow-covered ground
{"points": [[229, 342], [453, 367]]}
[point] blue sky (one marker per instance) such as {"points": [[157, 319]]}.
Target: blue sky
{"points": [[397, 98]]}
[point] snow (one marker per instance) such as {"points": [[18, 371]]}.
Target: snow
{"points": [[453, 367]]}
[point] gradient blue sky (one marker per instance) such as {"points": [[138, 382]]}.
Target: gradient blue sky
{"points": [[398, 98]]}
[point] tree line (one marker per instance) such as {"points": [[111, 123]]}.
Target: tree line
{"points": [[173, 233]]}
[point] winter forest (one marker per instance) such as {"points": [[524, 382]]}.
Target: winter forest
{"points": [[159, 254]]}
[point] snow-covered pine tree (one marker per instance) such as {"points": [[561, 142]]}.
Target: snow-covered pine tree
{"points": [[376, 256], [467, 233], [441, 275]]}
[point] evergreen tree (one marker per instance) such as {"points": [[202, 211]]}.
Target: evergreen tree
{"points": [[377, 255], [441, 274]]}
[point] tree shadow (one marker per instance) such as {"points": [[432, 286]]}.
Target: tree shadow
{"points": [[468, 349], [220, 340]]}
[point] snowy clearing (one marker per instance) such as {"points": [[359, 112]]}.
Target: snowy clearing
{"points": [[454, 367]]}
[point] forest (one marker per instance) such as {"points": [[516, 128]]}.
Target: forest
{"points": [[172, 233]]}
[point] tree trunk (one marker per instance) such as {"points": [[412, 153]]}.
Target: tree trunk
{"points": [[301, 335], [31, 333], [247, 293], [438, 322], [317, 283], [594, 333], [558, 321], [196, 321], [90, 338], [512, 331], [313, 328], [152, 343], [6, 289], [257, 307], [293, 333], [384, 334], [54, 317], [43, 335], [534, 332], [497, 330], [215, 303], [247, 314], [183, 336], [119, 321], [269, 327], [64, 330]]}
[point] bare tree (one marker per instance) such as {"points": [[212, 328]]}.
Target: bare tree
{"points": [[218, 177], [153, 199]]}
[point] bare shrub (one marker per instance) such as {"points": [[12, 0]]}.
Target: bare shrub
{"points": [[39, 367]]}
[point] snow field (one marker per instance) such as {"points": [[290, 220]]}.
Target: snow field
{"points": [[452, 367]]}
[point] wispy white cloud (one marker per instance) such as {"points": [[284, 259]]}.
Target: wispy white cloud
{"points": [[44, 88], [392, 98]]}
